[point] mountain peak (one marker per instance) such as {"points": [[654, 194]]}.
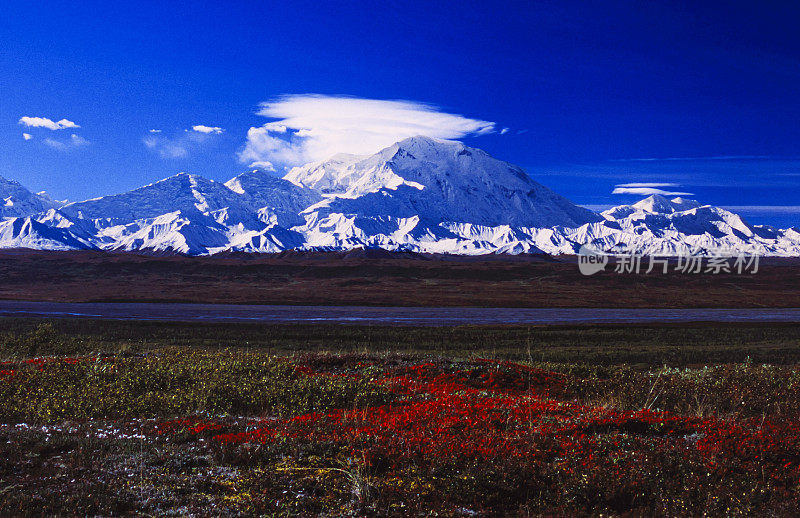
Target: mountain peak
{"points": [[422, 140], [438, 180], [429, 148], [181, 192], [682, 204], [6, 181], [17, 201], [659, 204], [183, 176]]}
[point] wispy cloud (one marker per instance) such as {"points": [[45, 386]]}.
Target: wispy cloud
{"points": [[711, 172], [77, 140], [765, 209], [180, 145], [44, 122], [166, 148], [697, 159], [27, 136], [74, 141], [56, 144], [314, 127], [781, 216]]}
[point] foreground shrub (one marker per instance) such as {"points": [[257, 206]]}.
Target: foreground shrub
{"points": [[172, 382], [743, 390]]}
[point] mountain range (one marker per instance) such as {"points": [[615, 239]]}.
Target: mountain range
{"points": [[420, 194]]}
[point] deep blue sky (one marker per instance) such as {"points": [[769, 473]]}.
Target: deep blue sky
{"points": [[587, 90]]}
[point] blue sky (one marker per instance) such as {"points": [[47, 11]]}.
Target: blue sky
{"points": [[592, 96]]}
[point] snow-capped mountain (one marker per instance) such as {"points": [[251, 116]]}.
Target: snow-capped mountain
{"points": [[655, 204], [187, 193], [438, 181], [420, 194], [657, 225], [30, 233]]}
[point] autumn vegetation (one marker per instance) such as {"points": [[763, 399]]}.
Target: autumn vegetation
{"points": [[125, 426]]}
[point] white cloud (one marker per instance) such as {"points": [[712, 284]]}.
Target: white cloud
{"points": [[648, 191], [262, 165], [315, 127], [276, 127], [27, 136], [504, 131], [155, 131], [208, 130], [44, 122], [263, 146]]}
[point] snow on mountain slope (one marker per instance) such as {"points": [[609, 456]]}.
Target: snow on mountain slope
{"points": [[193, 234], [438, 180], [29, 233], [421, 194], [655, 204], [688, 217], [183, 192], [273, 196], [338, 175], [657, 225], [17, 201]]}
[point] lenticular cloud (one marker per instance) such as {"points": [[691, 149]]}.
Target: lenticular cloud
{"points": [[308, 128]]}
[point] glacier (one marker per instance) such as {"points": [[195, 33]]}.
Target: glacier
{"points": [[421, 194]]}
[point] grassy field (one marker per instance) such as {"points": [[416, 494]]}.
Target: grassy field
{"points": [[637, 345], [102, 418]]}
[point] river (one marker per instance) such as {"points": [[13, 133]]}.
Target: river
{"points": [[424, 316]]}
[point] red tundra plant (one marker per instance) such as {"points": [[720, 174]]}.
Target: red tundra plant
{"points": [[486, 428], [497, 410], [190, 425]]}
